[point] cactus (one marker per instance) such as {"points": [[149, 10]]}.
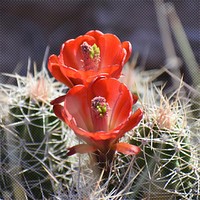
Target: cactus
{"points": [[33, 158], [33, 149], [169, 159], [168, 166]]}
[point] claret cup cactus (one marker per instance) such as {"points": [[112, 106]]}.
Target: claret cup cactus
{"points": [[94, 131]]}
